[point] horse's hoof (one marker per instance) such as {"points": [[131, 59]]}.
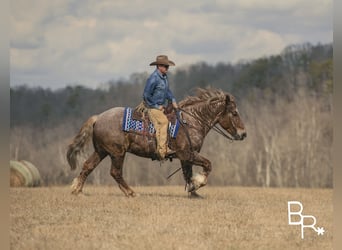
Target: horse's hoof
{"points": [[190, 188], [194, 195], [75, 192], [132, 194]]}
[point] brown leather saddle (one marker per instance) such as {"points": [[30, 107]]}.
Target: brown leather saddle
{"points": [[140, 113]]}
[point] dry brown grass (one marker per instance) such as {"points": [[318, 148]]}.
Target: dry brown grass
{"points": [[164, 218]]}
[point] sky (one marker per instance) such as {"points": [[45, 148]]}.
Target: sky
{"points": [[58, 43]]}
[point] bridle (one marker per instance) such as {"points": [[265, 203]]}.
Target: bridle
{"points": [[213, 126]]}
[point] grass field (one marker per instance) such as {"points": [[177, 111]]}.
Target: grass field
{"points": [[164, 218]]}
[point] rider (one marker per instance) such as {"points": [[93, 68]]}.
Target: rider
{"points": [[156, 96]]}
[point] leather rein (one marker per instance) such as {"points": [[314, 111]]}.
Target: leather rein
{"points": [[210, 126]]}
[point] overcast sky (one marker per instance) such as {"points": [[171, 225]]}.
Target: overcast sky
{"points": [[62, 42]]}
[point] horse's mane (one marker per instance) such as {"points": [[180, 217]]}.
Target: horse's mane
{"points": [[204, 95]]}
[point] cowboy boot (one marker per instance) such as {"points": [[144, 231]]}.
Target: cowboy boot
{"points": [[170, 151]]}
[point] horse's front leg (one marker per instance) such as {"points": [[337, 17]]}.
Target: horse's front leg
{"points": [[200, 179], [187, 174]]}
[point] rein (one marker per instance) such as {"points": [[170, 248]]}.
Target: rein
{"points": [[214, 127]]}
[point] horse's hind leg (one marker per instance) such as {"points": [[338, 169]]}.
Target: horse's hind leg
{"points": [[116, 173], [88, 166]]}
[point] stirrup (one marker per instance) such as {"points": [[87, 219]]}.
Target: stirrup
{"points": [[171, 152]]}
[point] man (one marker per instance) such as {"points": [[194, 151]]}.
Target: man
{"points": [[157, 95]]}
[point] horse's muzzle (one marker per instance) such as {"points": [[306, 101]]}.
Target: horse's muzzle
{"points": [[241, 136]]}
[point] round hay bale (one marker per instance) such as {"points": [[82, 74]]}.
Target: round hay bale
{"points": [[34, 172], [16, 178], [24, 174], [23, 171]]}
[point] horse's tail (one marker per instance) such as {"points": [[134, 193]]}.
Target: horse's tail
{"points": [[80, 141]]}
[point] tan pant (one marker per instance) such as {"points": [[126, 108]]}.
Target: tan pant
{"points": [[160, 123]]}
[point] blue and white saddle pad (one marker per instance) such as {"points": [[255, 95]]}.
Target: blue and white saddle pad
{"points": [[130, 124]]}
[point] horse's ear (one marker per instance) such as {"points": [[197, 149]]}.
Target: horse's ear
{"points": [[228, 98]]}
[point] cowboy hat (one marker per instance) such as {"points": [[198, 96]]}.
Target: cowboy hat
{"points": [[162, 60]]}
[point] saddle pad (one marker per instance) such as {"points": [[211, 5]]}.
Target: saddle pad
{"points": [[130, 124]]}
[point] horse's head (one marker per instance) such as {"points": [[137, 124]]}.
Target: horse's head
{"points": [[212, 106], [230, 119]]}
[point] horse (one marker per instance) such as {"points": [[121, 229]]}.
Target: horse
{"points": [[198, 114]]}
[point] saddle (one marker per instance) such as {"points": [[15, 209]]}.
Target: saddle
{"points": [[137, 121], [140, 113]]}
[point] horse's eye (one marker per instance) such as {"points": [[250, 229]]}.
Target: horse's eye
{"points": [[235, 113]]}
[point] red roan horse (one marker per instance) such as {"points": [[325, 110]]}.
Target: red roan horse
{"points": [[200, 113]]}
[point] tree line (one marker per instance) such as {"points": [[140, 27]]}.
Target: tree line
{"points": [[285, 101]]}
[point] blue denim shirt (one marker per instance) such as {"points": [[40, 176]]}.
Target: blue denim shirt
{"points": [[157, 91]]}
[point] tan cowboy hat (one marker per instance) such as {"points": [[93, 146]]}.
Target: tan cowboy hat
{"points": [[162, 60]]}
